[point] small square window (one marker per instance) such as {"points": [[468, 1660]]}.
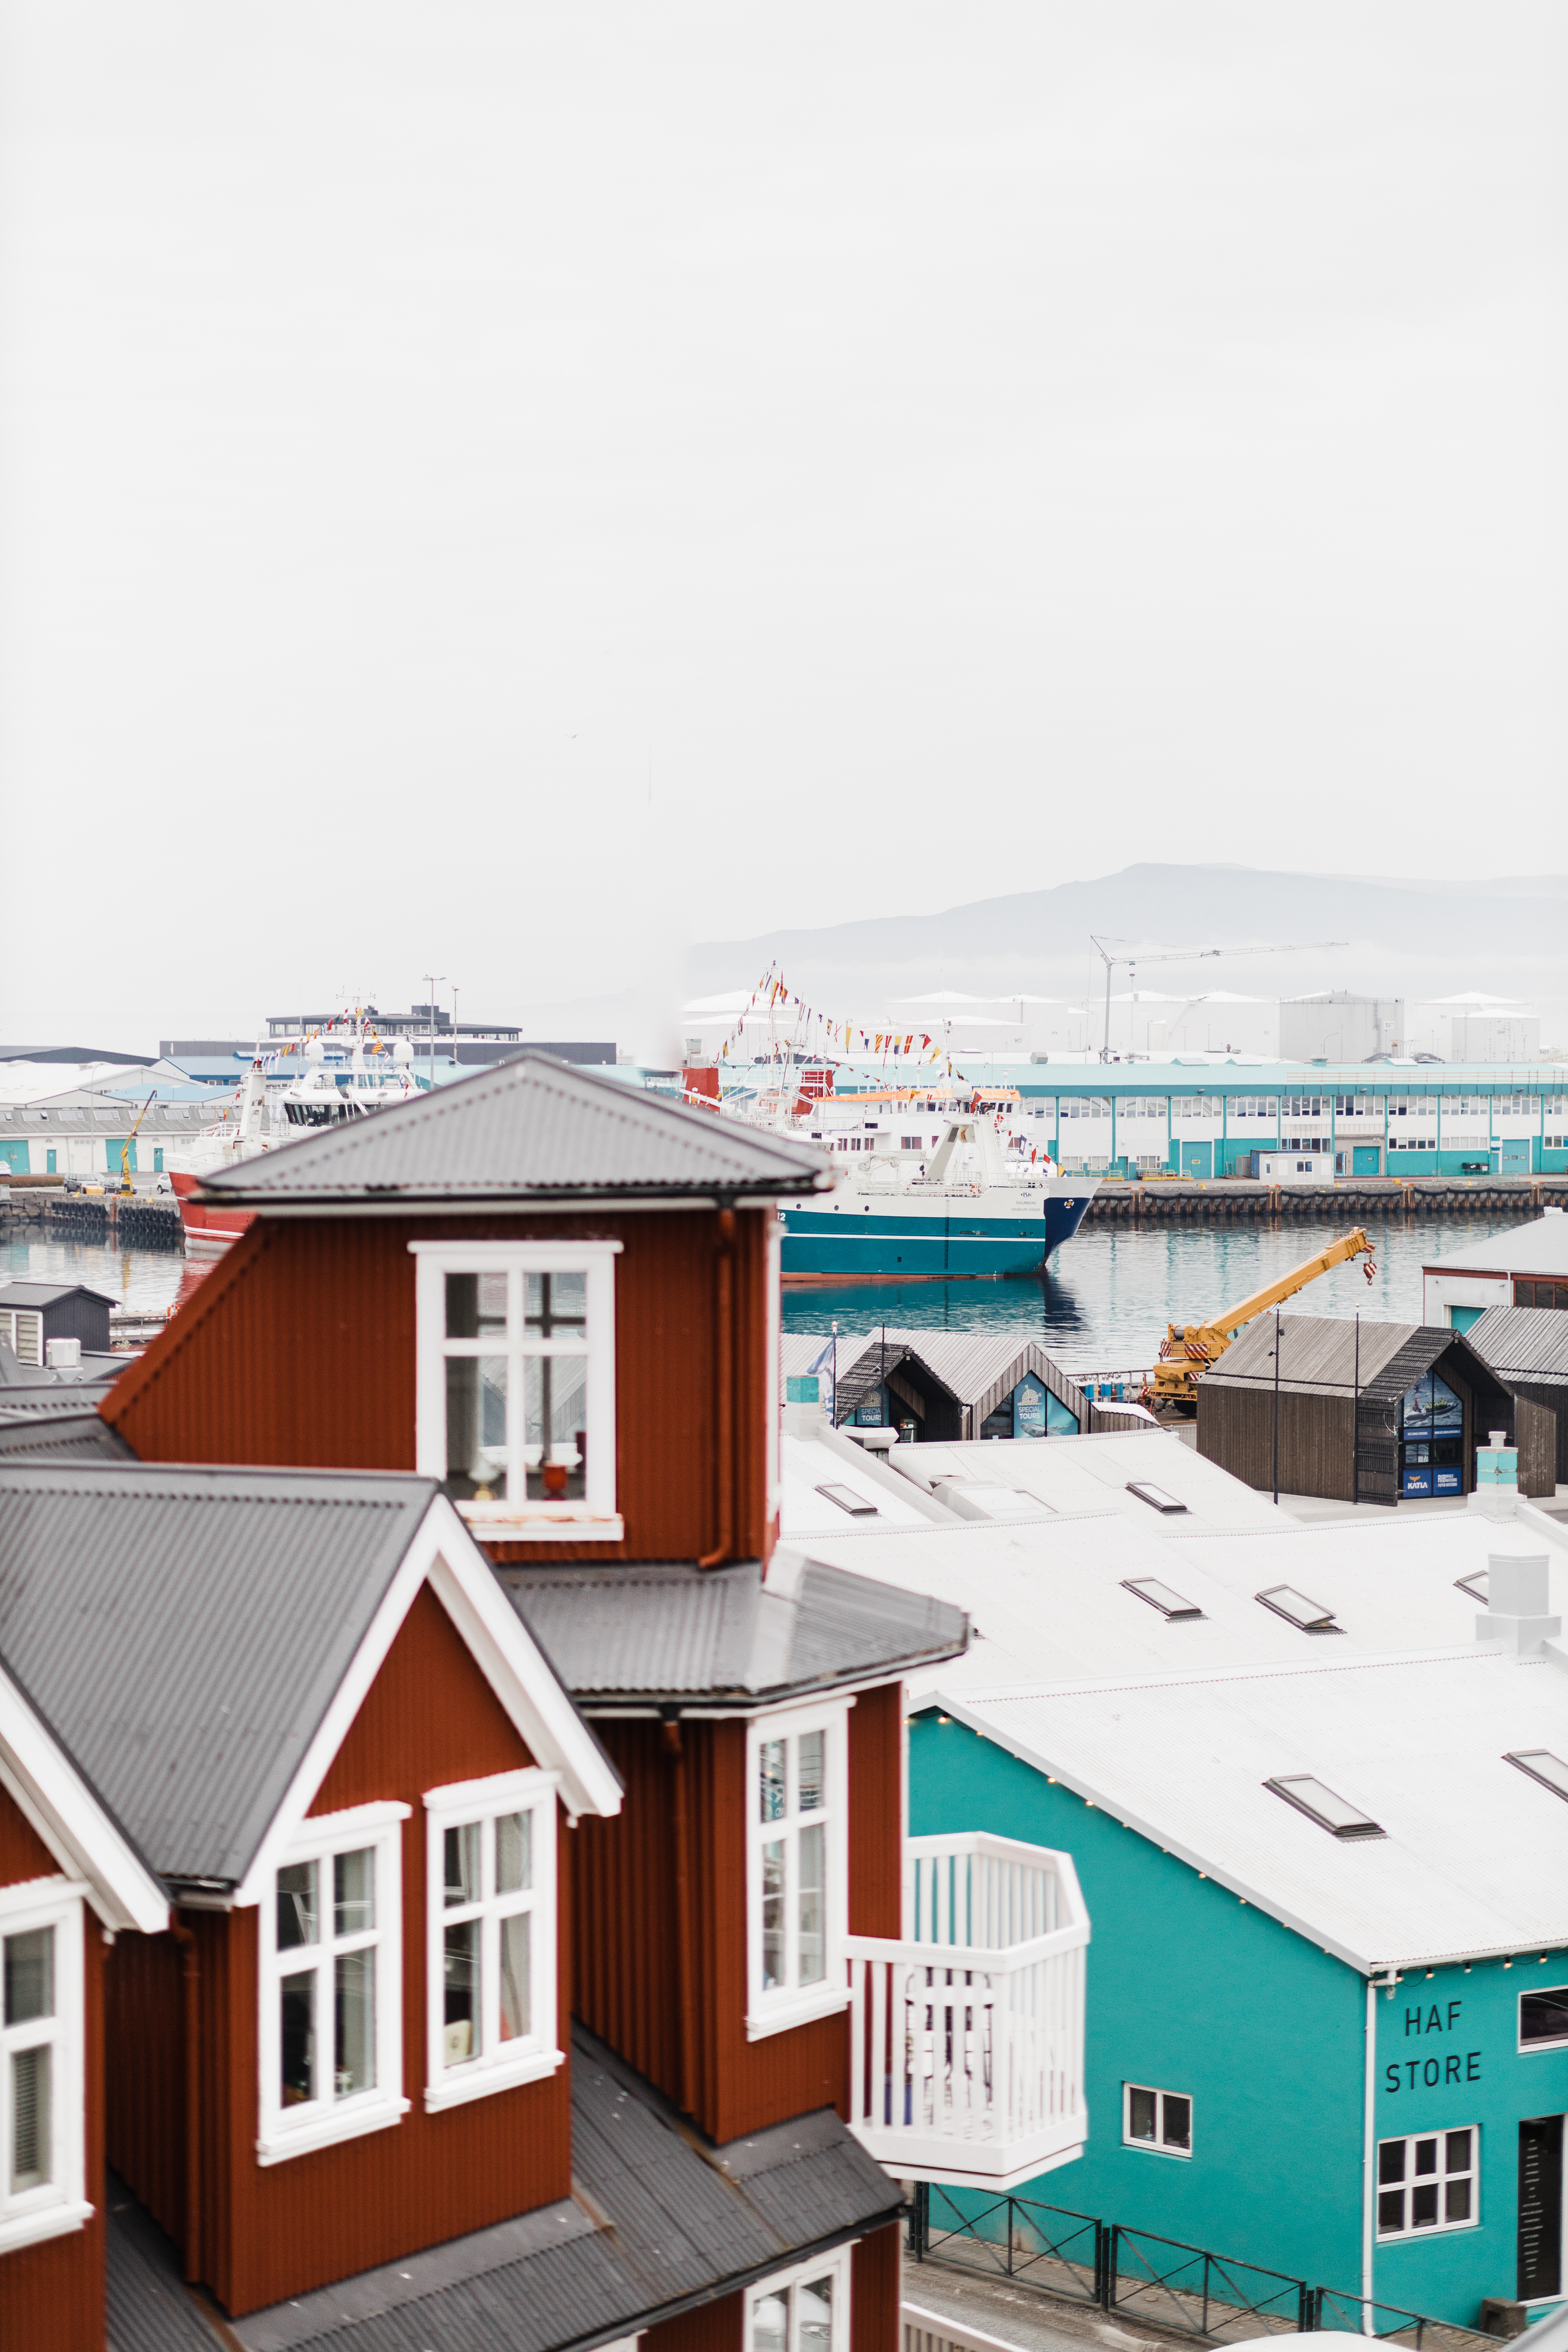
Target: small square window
{"points": [[1543, 2018], [1162, 2120], [1427, 2181]]}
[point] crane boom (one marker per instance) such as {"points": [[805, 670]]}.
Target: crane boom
{"points": [[1184, 955], [1189, 1348]]}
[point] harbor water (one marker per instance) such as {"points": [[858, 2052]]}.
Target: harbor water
{"points": [[1102, 1305]]}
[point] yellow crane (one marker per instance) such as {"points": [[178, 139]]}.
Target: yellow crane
{"points": [[125, 1185], [1189, 1348]]}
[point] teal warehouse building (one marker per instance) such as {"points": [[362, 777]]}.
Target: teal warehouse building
{"points": [[1328, 1980]]}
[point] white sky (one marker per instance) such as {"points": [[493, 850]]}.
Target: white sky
{"points": [[962, 448]]}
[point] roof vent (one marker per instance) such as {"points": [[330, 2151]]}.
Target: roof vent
{"points": [[1309, 1616], [1160, 1597], [859, 1507], [1542, 1766], [1518, 1594], [1155, 1497], [1320, 1805]]}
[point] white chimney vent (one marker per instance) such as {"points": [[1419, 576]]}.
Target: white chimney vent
{"points": [[1518, 1595]]}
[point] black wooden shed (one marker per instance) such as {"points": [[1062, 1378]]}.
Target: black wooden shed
{"points": [[1527, 1348], [34, 1313]]}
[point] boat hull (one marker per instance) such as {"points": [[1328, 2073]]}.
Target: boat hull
{"points": [[870, 1238], [208, 1232]]}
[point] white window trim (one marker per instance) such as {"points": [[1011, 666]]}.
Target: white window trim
{"points": [[592, 1520], [836, 2266], [60, 2204], [774, 2011], [1158, 2147], [536, 2055], [1438, 2228], [323, 2126]]}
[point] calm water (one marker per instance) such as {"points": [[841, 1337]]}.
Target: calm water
{"points": [[1103, 1306], [1110, 1293]]}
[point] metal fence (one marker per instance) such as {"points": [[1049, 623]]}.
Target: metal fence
{"points": [[1185, 2290]]}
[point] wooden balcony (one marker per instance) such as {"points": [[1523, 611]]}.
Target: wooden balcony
{"points": [[966, 2036]]}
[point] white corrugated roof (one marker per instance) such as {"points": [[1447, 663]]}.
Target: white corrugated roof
{"points": [[1539, 1247], [1092, 1474], [1474, 1861], [807, 1464]]}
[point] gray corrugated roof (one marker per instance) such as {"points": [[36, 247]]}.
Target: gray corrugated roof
{"points": [[60, 1429], [977, 1367], [44, 1293], [182, 1632], [1525, 1343], [148, 2307], [1317, 1354], [669, 1630], [1539, 1247], [529, 1130], [683, 2222]]}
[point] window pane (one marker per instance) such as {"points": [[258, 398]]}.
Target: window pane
{"points": [[29, 1976], [1426, 2156], [772, 1914], [771, 1780], [1391, 2161], [1391, 2208], [462, 1853], [814, 2312], [30, 2165], [1456, 2206], [813, 1939], [354, 2023], [555, 1414], [1424, 2205], [461, 2014], [514, 1852], [770, 2324], [1457, 2152], [476, 1428], [811, 1768], [297, 2020], [353, 1892], [515, 2002], [1141, 2114], [1178, 2121], [554, 1302], [296, 1916], [476, 1306]]}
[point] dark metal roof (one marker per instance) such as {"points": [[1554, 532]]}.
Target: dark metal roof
{"points": [[532, 1130], [661, 2221], [60, 1429], [182, 1632], [150, 2308], [47, 1294], [976, 1370], [1318, 1356], [667, 1630], [1523, 1343]]}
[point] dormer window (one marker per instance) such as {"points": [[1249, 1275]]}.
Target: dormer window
{"points": [[797, 1883], [516, 1383]]}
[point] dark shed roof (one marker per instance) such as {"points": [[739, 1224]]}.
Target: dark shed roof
{"points": [[668, 1629], [977, 1369], [49, 1294], [182, 1632], [533, 1129], [1528, 1345], [683, 2222], [1318, 1356]]}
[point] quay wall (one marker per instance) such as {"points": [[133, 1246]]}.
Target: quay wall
{"points": [[52, 1214], [1347, 1201]]}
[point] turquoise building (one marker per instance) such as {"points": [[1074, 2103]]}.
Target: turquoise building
{"points": [[1328, 1980]]}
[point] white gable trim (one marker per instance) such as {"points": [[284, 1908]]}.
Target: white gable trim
{"points": [[36, 1773], [445, 1555]]}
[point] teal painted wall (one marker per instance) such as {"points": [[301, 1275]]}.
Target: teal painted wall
{"points": [[1191, 1990]]}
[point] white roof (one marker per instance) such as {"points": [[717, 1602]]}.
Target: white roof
{"points": [[1094, 1473], [808, 1463], [1539, 1247], [1048, 1602], [1474, 1861]]}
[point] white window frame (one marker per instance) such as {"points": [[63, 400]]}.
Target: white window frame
{"points": [[60, 2204], [286, 2132], [836, 2266], [517, 1518], [780, 2007], [1441, 2227], [1557, 2041], [499, 2065], [1158, 2147]]}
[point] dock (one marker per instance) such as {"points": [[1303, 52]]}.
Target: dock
{"points": [[1242, 1199], [48, 1213]]}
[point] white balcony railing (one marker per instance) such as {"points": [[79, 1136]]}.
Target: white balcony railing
{"points": [[966, 2035]]}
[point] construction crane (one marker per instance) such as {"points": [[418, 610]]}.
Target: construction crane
{"points": [[1189, 1348], [1183, 955], [125, 1185]]}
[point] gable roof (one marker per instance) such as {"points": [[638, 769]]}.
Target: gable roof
{"points": [[46, 1785], [1528, 1344], [1474, 1859], [668, 1629], [189, 1635], [1318, 1356], [49, 1294], [56, 1428], [532, 1130], [1539, 1247]]}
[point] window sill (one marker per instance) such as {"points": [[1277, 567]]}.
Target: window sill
{"points": [[541, 1523], [352, 2123], [505, 2075], [798, 2008], [49, 2221], [1150, 2147]]}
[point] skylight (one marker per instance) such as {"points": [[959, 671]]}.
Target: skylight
{"points": [[1156, 1497], [1476, 1585], [857, 1506], [1542, 1766], [1322, 1805], [1310, 1616], [1160, 1596]]}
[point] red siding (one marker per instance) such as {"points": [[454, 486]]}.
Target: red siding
{"points": [[874, 2292], [688, 2035], [23, 1853], [270, 2232], [712, 2327], [299, 1349], [51, 2295]]}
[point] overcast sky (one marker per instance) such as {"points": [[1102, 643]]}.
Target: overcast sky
{"points": [[500, 488]]}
